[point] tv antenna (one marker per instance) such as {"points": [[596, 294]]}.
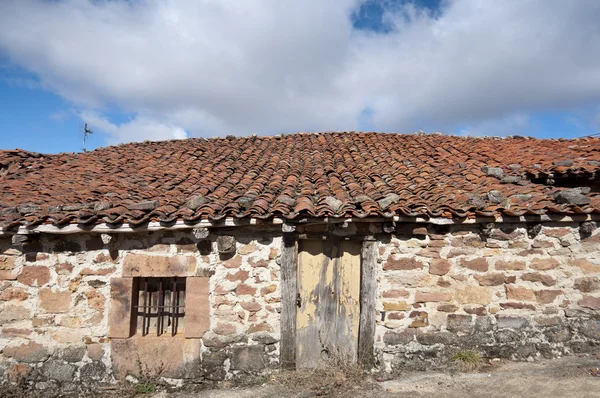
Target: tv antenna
{"points": [[86, 132]]}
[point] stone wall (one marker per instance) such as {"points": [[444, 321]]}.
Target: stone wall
{"points": [[56, 308], [507, 292]]}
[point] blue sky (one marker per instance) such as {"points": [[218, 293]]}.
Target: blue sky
{"points": [[155, 70]]}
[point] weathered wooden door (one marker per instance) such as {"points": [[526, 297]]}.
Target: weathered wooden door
{"points": [[328, 313]]}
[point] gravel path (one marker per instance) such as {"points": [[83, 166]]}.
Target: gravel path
{"points": [[565, 377]]}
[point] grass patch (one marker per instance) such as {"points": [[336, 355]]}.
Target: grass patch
{"points": [[326, 380], [467, 360], [145, 388]]}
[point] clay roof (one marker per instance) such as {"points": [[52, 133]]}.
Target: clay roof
{"points": [[300, 175]]}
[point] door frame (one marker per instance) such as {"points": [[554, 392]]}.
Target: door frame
{"points": [[289, 292]]}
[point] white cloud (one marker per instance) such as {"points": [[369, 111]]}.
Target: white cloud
{"points": [[515, 124], [240, 67], [138, 129]]}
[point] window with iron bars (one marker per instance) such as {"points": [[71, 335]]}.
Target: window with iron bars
{"points": [[160, 305]]}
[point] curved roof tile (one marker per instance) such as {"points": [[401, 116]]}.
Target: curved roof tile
{"points": [[298, 175]]}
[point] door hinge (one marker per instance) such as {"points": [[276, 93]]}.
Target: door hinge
{"points": [[299, 300]]}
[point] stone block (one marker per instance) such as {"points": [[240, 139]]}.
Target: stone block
{"points": [[238, 276], [491, 279], [511, 322], [260, 327], [29, 352], [95, 351], [258, 263], [244, 289], [475, 310], [439, 266], [63, 268], [34, 275], [251, 306], [120, 320], [161, 356], [587, 284], [225, 329], [502, 265], [590, 328], [248, 249], [395, 293], [399, 306], [212, 364], [8, 332], [474, 295], [58, 370], [483, 324], [95, 299], [94, 371], [478, 264], [518, 244], [518, 306], [11, 313], [544, 279], [459, 323], [560, 335], [590, 302], [519, 293], [433, 252], [543, 264], [432, 297], [402, 264], [468, 241], [268, 290], [55, 302], [395, 316], [73, 353], [433, 338], [154, 266], [500, 234], [586, 266], [547, 296], [197, 311], [97, 271], [547, 321], [249, 358], [7, 263], [18, 372], [556, 232], [68, 336], [233, 262], [399, 338], [7, 266], [542, 244], [420, 319], [447, 308]]}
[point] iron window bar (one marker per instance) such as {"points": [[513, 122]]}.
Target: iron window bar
{"points": [[158, 290]]}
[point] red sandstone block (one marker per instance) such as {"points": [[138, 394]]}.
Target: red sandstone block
{"points": [[120, 321], [197, 307]]}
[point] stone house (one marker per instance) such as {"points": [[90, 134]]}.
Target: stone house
{"points": [[214, 259]]}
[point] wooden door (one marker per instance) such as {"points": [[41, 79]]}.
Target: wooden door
{"points": [[328, 312]]}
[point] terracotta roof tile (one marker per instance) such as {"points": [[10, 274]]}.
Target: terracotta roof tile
{"points": [[292, 176]]}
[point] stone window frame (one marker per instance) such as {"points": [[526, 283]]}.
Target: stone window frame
{"points": [[121, 319]]}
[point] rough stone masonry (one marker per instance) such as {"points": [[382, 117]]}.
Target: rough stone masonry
{"points": [[515, 291]]}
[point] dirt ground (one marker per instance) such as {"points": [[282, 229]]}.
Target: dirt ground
{"points": [[565, 377]]}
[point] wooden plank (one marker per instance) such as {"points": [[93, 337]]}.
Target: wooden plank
{"points": [[289, 291], [329, 286], [311, 260], [368, 289]]}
